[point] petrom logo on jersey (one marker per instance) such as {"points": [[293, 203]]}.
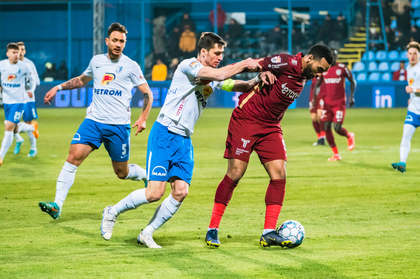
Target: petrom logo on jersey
{"points": [[11, 77], [108, 77]]}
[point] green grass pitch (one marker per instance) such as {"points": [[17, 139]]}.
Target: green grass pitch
{"points": [[362, 218]]}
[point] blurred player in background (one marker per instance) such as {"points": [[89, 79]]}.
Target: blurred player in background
{"points": [[29, 114], [170, 155], [15, 82], [412, 120], [255, 125], [333, 105], [108, 116], [314, 111]]}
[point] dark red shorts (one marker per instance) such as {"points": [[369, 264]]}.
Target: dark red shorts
{"points": [[246, 135], [333, 113]]}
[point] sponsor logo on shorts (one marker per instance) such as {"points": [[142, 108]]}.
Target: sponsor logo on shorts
{"points": [[239, 151], [159, 171], [409, 118], [245, 142], [76, 137], [107, 78]]}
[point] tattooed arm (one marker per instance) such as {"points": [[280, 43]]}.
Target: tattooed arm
{"points": [[75, 82]]}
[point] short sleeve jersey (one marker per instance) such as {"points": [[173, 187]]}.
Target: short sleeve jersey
{"points": [[35, 79], [413, 77], [113, 82], [269, 103], [187, 97], [333, 85], [13, 80]]}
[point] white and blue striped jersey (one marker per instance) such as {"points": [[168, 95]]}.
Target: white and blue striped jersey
{"points": [[187, 97], [35, 78], [15, 81], [113, 82], [413, 77]]}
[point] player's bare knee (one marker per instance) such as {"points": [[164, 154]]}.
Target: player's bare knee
{"points": [[180, 194]]}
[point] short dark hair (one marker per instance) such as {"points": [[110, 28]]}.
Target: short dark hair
{"points": [[208, 40], [12, 46], [116, 26], [20, 43], [320, 51], [413, 44]]}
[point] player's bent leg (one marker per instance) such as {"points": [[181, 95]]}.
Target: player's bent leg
{"points": [[120, 169], [77, 154], [7, 139], [164, 212], [108, 221], [129, 171], [224, 192], [274, 198]]}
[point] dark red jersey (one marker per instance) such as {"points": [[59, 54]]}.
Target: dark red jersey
{"points": [[312, 89], [333, 86], [269, 103]]}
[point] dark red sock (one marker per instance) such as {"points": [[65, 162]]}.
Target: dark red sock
{"points": [[221, 199], [274, 201], [343, 132], [330, 138], [317, 128]]}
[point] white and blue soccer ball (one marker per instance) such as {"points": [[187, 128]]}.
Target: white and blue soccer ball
{"points": [[292, 231]]}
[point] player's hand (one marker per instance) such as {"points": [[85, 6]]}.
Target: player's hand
{"points": [[409, 89], [252, 65], [50, 94], [30, 94], [351, 102], [140, 124], [268, 78]]}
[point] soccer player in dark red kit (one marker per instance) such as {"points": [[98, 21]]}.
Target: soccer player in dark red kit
{"points": [[255, 125], [333, 105], [314, 111]]}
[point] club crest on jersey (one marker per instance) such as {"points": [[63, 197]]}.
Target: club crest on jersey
{"points": [[338, 72], [410, 81], [193, 64], [108, 77], [276, 59], [11, 77]]}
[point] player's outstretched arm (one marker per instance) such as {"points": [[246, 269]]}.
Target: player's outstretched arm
{"points": [[219, 74], [147, 106], [265, 78], [73, 83]]}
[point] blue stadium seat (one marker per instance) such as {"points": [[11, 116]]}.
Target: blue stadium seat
{"points": [[386, 76], [393, 24], [381, 55], [374, 76], [393, 55], [395, 66], [358, 66], [361, 76], [415, 4], [383, 67], [416, 13], [403, 55], [372, 66], [369, 55], [418, 22]]}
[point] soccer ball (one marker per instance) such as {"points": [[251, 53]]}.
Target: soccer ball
{"points": [[292, 231]]}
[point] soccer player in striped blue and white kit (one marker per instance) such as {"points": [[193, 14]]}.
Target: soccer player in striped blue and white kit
{"points": [[169, 147], [29, 114], [15, 80], [412, 120], [108, 116]]}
